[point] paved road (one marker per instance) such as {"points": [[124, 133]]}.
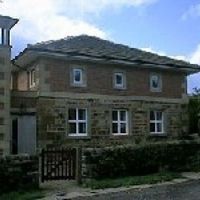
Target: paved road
{"points": [[183, 191]]}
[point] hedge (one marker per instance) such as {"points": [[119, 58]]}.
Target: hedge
{"points": [[18, 172], [141, 160], [194, 111]]}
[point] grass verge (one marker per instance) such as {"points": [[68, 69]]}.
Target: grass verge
{"points": [[130, 181], [22, 195]]}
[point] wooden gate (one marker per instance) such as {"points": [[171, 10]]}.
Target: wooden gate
{"points": [[58, 164]]}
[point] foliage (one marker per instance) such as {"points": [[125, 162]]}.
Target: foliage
{"points": [[129, 181], [142, 160], [196, 91], [18, 172], [194, 111], [23, 195]]}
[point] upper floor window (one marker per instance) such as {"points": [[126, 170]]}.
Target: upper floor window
{"points": [[155, 83], [32, 78], [119, 122], [77, 121], [119, 80], [78, 77], [156, 122], [2, 75]]}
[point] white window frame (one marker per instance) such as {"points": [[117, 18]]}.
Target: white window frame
{"points": [[122, 85], [77, 121], [156, 121], [118, 122], [159, 88], [32, 78], [81, 76]]}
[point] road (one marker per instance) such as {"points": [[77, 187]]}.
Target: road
{"points": [[183, 191]]}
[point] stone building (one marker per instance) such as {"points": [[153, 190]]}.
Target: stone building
{"points": [[85, 91], [91, 92]]}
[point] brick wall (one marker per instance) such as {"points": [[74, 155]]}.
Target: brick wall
{"points": [[100, 79]]}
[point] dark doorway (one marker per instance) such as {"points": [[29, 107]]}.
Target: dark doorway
{"points": [[14, 136]]}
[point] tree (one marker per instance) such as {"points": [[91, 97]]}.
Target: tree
{"points": [[194, 111]]}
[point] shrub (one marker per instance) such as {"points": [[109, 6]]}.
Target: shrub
{"points": [[141, 160], [194, 110], [18, 172]]}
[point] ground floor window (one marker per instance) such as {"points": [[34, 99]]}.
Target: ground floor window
{"points": [[119, 122], [156, 122], [77, 121]]}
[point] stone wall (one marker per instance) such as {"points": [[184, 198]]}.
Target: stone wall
{"points": [[18, 172], [23, 99], [52, 121], [4, 99]]}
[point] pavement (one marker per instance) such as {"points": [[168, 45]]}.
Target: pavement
{"points": [[186, 188]]}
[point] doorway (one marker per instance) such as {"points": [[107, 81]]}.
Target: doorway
{"points": [[24, 134]]}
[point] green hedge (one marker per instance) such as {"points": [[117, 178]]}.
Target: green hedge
{"points": [[193, 110], [18, 172], [142, 160]]}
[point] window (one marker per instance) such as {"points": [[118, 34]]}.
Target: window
{"points": [[119, 80], [119, 122], [2, 91], [156, 122], [78, 76], [2, 75], [155, 83], [77, 119], [32, 79], [1, 121]]}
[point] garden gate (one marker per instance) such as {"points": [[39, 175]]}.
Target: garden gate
{"points": [[58, 164]]}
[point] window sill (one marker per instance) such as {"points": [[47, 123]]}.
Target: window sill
{"points": [[78, 85], [156, 90], [158, 134], [119, 134], [120, 88], [78, 136]]}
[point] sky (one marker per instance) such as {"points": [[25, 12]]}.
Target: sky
{"points": [[165, 27]]}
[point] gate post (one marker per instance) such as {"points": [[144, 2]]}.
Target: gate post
{"points": [[79, 165], [42, 166]]}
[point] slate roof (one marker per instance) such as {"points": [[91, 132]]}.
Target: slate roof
{"points": [[99, 48]]}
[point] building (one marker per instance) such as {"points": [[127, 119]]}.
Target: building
{"points": [[91, 92], [85, 91]]}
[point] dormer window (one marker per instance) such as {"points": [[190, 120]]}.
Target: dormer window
{"points": [[32, 78], [119, 80]]}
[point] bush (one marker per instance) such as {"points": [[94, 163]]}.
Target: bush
{"points": [[142, 160], [18, 172], [194, 110], [129, 181]]}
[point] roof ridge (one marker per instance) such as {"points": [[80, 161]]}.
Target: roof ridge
{"points": [[93, 45]]}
